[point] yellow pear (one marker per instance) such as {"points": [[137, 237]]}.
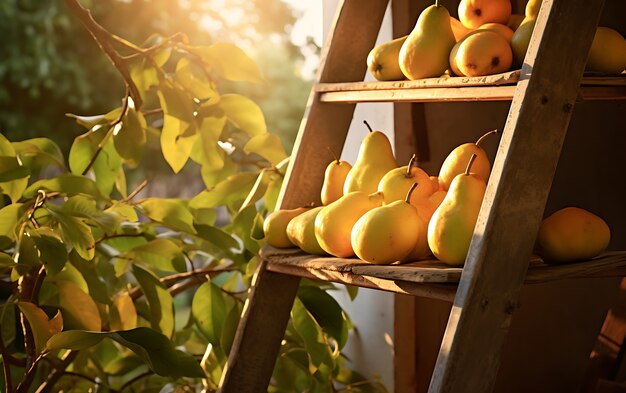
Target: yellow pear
{"points": [[397, 182], [532, 8], [453, 54], [375, 158], [608, 52], [382, 61], [334, 179], [521, 40], [485, 53], [458, 29], [451, 227], [515, 21], [426, 206], [421, 249], [435, 181], [455, 162], [572, 234], [473, 13], [425, 51], [275, 226], [388, 233], [301, 231], [505, 31], [334, 223]]}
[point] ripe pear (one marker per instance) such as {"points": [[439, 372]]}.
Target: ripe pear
{"points": [[451, 228], [421, 249], [334, 223], [301, 231], [334, 179], [572, 234], [426, 207], [521, 40], [375, 158], [473, 13], [484, 53], [435, 181], [455, 162], [515, 21], [532, 8], [608, 52], [275, 226], [388, 233], [425, 51], [458, 29], [397, 182], [382, 61], [505, 31]]}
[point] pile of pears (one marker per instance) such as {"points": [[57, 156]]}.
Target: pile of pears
{"points": [[486, 39], [383, 213]]}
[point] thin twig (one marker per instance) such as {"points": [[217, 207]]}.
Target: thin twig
{"points": [[54, 376], [41, 275], [136, 191], [8, 382], [143, 52], [105, 40], [24, 386]]}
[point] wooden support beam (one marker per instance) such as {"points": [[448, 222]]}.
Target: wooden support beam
{"points": [[512, 210]]}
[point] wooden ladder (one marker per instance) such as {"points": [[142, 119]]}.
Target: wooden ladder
{"points": [[487, 294]]}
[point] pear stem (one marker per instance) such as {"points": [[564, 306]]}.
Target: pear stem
{"points": [[412, 161], [408, 194], [436, 3], [485, 136], [333, 154], [470, 163], [368, 125]]}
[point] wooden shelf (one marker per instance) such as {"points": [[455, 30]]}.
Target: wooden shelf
{"points": [[499, 87], [428, 278]]}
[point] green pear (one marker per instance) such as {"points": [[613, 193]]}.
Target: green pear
{"points": [[275, 226], [608, 52], [572, 234], [301, 231], [425, 52], [452, 225], [334, 223], [334, 179], [456, 162], [532, 8], [375, 158], [382, 61], [521, 40], [397, 182], [388, 233]]}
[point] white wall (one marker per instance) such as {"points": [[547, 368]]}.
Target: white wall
{"points": [[370, 349]]}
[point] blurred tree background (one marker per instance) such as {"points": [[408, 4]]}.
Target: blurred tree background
{"points": [[49, 65]]}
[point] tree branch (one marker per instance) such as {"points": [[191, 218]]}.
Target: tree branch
{"points": [[104, 39], [53, 377]]}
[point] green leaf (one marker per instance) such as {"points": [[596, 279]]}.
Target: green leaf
{"points": [[10, 216], [270, 199], [107, 164], [65, 184], [159, 299], [326, 311], [162, 254], [176, 102], [206, 150], [192, 77], [92, 121], [352, 291], [172, 213], [267, 146], [242, 226], [78, 308], [123, 315], [258, 189], [176, 144], [244, 114], [97, 287], [315, 343], [209, 311], [83, 207], [144, 75], [212, 176], [52, 251], [234, 188], [6, 148], [230, 62], [76, 234], [231, 323], [39, 152], [131, 137], [218, 237], [41, 327], [11, 169]]}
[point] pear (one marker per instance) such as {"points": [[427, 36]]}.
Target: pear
{"points": [[275, 226], [334, 223], [375, 158], [515, 21], [425, 51], [451, 227], [458, 29], [301, 231], [572, 234], [397, 182], [382, 61], [608, 52], [388, 233], [505, 31], [454, 163], [485, 53], [426, 207], [334, 179], [521, 40], [435, 181], [473, 13], [532, 8]]}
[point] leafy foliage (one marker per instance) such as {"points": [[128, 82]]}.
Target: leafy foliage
{"points": [[98, 277]]}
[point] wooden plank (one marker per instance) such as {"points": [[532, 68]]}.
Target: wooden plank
{"points": [[405, 351], [325, 126], [516, 196], [260, 331]]}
